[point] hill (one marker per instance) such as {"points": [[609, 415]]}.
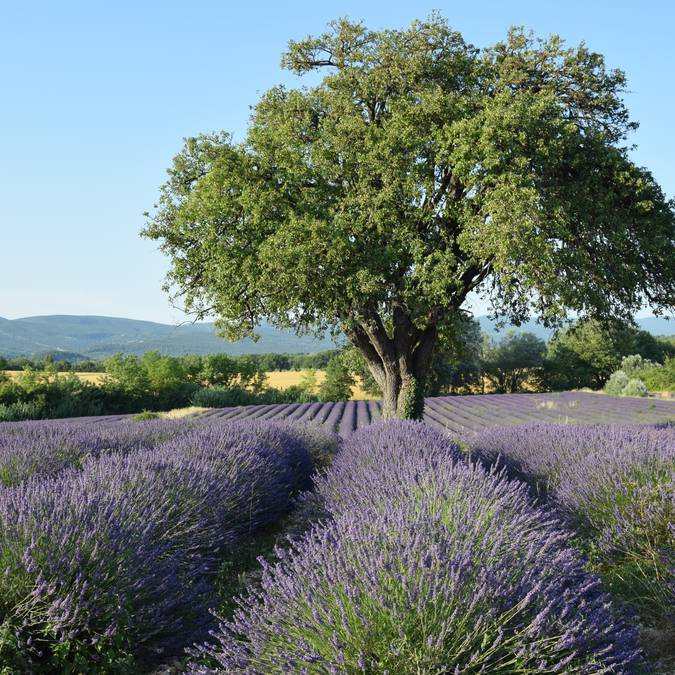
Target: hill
{"points": [[100, 336], [95, 337], [652, 324]]}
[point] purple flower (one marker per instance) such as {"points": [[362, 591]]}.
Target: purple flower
{"points": [[122, 548], [424, 564]]}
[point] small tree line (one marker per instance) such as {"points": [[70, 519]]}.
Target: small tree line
{"points": [[620, 358]]}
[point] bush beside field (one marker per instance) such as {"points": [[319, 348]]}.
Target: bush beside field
{"points": [[276, 379], [158, 383]]}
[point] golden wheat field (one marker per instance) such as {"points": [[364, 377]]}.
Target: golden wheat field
{"points": [[95, 378], [282, 379]]}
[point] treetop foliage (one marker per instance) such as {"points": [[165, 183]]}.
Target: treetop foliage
{"points": [[418, 169]]}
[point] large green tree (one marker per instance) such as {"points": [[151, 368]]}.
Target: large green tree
{"points": [[509, 362], [417, 170], [587, 353]]}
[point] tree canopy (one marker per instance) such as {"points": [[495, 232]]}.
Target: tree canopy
{"points": [[509, 362], [419, 169], [587, 353]]}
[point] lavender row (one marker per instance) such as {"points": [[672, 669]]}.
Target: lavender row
{"points": [[423, 563], [115, 562], [465, 415], [47, 447], [615, 484]]}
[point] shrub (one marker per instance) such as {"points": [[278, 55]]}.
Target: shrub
{"points": [[46, 448], [89, 572], [117, 560], [309, 382], [225, 397], [44, 395], [338, 383], [364, 455], [638, 376], [660, 378], [21, 410], [262, 465], [453, 571], [617, 382], [321, 443], [614, 485], [633, 364], [146, 415], [634, 387]]}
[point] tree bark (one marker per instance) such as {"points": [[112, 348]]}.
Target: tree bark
{"points": [[399, 363], [403, 398]]}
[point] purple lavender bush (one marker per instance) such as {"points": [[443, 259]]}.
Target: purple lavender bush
{"points": [[382, 457], [616, 486], [116, 561], [88, 571], [246, 473], [428, 565], [48, 447]]}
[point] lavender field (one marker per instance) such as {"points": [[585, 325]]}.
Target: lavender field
{"points": [[463, 415], [511, 534]]}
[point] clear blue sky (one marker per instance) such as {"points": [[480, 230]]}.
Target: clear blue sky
{"points": [[95, 98]]}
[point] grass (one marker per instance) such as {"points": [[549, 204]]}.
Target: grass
{"points": [[177, 413]]}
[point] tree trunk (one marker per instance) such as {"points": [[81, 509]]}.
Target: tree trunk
{"points": [[399, 362], [403, 398], [391, 388]]}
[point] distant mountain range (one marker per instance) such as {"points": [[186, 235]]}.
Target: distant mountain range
{"points": [[652, 324], [96, 337]]}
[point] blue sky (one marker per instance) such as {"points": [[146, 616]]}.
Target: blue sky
{"points": [[95, 98]]}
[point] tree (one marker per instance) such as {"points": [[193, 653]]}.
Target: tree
{"points": [[419, 169], [587, 353], [308, 382], [338, 382], [509, 362], [128, 373], [192, 366], [221, 370], [456, 363], [250, 374], [218, 370], [165, 373]]}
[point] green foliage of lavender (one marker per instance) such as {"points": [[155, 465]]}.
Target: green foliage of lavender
{"points": [[424, 564], [111, 559], [615, 485]]}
